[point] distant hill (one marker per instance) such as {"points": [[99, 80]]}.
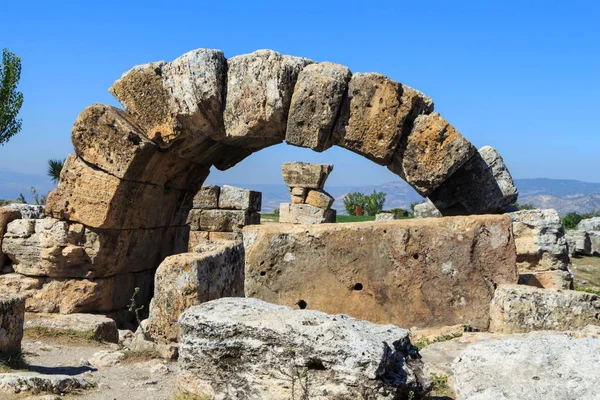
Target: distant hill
{"points": [[13, 183]]}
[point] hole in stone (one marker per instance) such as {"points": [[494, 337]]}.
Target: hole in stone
{"points": [[315, 365], [416, 256], [262, 263], [263, 273], [358, 286], [302, 304]]}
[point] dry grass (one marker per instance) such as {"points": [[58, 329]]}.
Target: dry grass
{"points": [[133, 356], [188, 396], [60, 336], [587, 273]]}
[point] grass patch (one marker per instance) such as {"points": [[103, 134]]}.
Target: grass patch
{"points": [[586, 271], [444, 338], [137, 356], [587, 290], [59, 335], [189, 396], [440, 386], [269, 218]]}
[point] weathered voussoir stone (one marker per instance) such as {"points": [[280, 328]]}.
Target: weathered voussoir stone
{"points": [[96, 327], [259, 92], [520, 308], [109, 139], [12, 315], [430, 153], [315, 105], [341, 357], [412, 272], [483, 185], [540, 241], [305, 175], [234, 198], [182, 99], [375, 115], [221, 220], [189, 279], [291, 213], [100, 200], [539, 365], [589, 224]]}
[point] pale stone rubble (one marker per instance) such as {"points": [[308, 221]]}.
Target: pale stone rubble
{"points": [[309, 204], [271, 345]]}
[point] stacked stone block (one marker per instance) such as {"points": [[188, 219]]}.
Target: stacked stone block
{"points": [[220, 213], [310, 204]]}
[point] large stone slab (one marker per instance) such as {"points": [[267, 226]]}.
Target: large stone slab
{"points": [[61, 249], [110, 139], [67, 296], [376, 113], [430, 153], [221, 220], [282, 353], [483, 185], [579, 243], [179, 102], [589, 224], [189, 279], [12, 314], [96, 327], [100, 200], [305, 175], [234, 198], [520, 308], [540, 241], [259, 92], [541, 365], [306, 214], [315, 105], [426, 272]]}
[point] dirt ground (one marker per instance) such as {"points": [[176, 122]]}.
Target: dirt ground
{"points": [[587, 273]]}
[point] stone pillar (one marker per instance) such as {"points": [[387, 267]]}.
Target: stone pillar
{"points": [[12, 316], [310, 204]]}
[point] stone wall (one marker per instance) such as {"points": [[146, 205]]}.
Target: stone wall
{"points": [[427, 272]]}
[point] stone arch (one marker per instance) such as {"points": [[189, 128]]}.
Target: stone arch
{"points": [[134, 173]]}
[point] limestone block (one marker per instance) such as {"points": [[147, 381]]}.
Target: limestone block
{"points": [[375, 113], [178, 102], [387, 216], [315, 105], [305, 175], [234, 198], [579, 243], [12, 315], [109, 139], [100, 200], [426, 210], [298, 191], [539, 365], [96, 327], [411, 272], [430, 153], [305, 214], [197, 238], [6, 215], [188, 279], [297, 199], [61, 249], [589, 224], [29, 211], [221, 220], [553, 279], [207, 197], [259, 92], [521, 308], [34, 382], [540, 241], [320, 199], [225, 236], [483, 185], [340, 356], [595, 242]]}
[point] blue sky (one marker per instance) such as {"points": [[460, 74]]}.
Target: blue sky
{"points": [[522, 76]]}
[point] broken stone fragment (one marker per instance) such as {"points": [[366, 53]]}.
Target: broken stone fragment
{"points": [[426, 210], [305, 214], [430, 153], [221, 220], [12, 315], [305, 175], [234, 198], [259, 91], [95, 327], [579, 243], [483, 185], [386, 216], [375, 114], [339, 355], [320, 199], [315, 105], [189, 279]]}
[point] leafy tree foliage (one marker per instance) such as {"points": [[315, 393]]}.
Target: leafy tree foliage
{"points": [[353, 200], [571, 220], [54, 167], [375, 202], [371, 204], [10, 99]]}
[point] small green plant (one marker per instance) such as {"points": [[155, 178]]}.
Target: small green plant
{"points": [[55, 166], [21, 199], [37, 199], [276, 211], [10, 100], [133, 307], [587, 290], [571, 220]]}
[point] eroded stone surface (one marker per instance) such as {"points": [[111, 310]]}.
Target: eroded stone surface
{"points": [[589, 224], [315, 105], [430, 153], [306, 214], [542, 365], [320, 199], [185, 280], [221, 220], [520, 308], [96, 327], [426, 210], [376, 113], [579, 243], [20, 382], [207, 197], [234, 198], [427, 272], [343, 357], [12, 314], [7, 215], [553, 279], [305, 175]]}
